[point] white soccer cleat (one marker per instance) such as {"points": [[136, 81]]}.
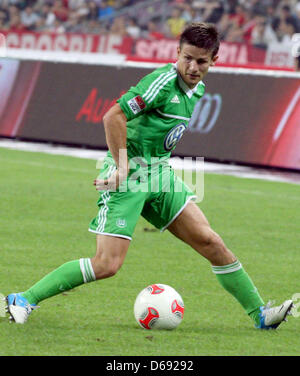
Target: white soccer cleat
{"points": [[271, 318], [18, 308]]}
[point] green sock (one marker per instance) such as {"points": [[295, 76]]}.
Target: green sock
{"points": [[236, 281], [66, 277]]}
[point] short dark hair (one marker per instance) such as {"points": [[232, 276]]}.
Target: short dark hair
{"points": [[202, 35]]}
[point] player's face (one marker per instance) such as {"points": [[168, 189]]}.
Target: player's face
{"points": [[193, 63]]}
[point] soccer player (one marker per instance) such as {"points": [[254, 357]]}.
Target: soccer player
{"points": [[144, 126]]}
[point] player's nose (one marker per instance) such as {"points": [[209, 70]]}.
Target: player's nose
{"points": [[193, 66]]}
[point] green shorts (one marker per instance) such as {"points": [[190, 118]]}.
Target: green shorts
{"points": [[159, 196]]}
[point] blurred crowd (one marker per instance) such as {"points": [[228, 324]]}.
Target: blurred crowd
{"points": [[258, 22]]}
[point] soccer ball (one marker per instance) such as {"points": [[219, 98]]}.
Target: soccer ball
{"points": [[158, 306]]}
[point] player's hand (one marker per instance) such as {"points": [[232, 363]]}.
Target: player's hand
{"points": [[112, 183]]}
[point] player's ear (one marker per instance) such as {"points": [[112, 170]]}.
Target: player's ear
{"points": [[213, 60], [178, 50]]}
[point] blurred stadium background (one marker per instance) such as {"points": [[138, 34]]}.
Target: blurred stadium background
{"points": [[265, 27], [249, 114]]}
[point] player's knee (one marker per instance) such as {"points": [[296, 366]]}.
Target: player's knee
{"points": [[113, 267], [211, 242], [105, 268], [214, 249], [209, 239]]}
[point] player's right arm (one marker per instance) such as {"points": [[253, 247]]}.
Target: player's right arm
{"points": [[116, 134], [150, 93]]}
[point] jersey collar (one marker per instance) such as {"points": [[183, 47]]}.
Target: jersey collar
{"points": [[189, 92]]}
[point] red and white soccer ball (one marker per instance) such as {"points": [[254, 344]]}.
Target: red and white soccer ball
{"points": [[158, 306]]}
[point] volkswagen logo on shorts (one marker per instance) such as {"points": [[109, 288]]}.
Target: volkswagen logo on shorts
{"points": [[120, 222], [173, 136]]}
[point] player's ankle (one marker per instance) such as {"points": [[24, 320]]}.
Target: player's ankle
{"points": [[255, 316]]}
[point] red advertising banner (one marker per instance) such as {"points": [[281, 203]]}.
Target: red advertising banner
{"points": [[69, 42], [244, 118], [229, 53], [140, 49]]}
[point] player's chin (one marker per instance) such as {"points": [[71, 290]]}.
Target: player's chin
{"points": [[193, 80]]}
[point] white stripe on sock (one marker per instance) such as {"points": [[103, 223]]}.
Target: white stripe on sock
{"points": [[87, 270], [230, 268]]}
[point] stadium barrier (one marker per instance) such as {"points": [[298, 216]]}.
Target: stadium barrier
{"points": [[246, 116]]}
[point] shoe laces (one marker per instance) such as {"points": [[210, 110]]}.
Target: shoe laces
{"points": [[269, 304]]}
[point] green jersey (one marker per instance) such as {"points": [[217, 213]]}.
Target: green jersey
{"points": [[158, 110]]}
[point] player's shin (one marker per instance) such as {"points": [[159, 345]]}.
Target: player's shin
{"points": [[237, 282], [66, 277]]}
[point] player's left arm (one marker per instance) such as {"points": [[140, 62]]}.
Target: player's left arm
{"points": [[116, 135]]}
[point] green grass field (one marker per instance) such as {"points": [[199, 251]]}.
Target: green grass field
{"points": [[46, 204]]}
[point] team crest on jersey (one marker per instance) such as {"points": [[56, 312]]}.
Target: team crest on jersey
{"points": [[173, 136], [136, 104]]}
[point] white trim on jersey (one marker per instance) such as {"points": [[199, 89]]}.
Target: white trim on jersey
{"points": [[155, 81], [158, 84], [173, 116], [161, 86]]}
